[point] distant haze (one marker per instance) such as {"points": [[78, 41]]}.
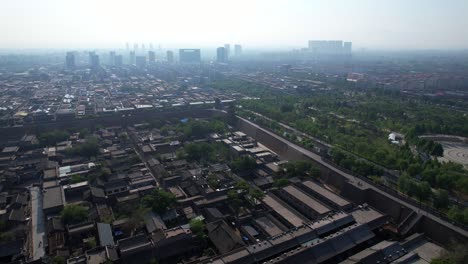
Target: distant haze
{"points": [[373, 24]]}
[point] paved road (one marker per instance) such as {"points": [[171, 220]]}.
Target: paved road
{"points": [[38, 225], [142, 156], [363, 184]]}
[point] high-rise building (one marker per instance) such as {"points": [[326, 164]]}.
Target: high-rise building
{"points": [[347, 47], [151, 46], [118, 61], [170, 56], [70, 60], [128, 46], [227, 48], [135, 47], [94, 60], [132, 58], [221, 54], [140, 61], [151, 57], [189, 55], [112, 58], [237, 49], [91, 54]]}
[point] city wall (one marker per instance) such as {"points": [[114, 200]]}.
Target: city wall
{"points": [[117, 119], [392, 207]]}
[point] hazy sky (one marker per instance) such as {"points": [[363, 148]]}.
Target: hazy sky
{"points": [[374, 24]]}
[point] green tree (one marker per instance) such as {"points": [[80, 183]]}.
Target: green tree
{"points": [[456, 254], [286, 108], [376, 179], [58, 260], [423, 191], [441, 199], [281, 182], [242, 186], [438, 150], [198, 228], [217, 126], [256, 193], [123, 137], [234, 200], [73, 214], [137, 216], [52, 138], [456, 214], [77, 178], [153, 261], [404, 183], [243, 164], [315, 172], [159, 200], [89, 148], [212, 181], [414, 169], [91, 243]]}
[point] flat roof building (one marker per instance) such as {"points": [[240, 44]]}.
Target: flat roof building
{"points": [[288, 214], [307, 205], [324, 195]]}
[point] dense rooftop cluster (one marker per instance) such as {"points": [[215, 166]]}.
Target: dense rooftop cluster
{"points": [[190, 190], [39, 96]]}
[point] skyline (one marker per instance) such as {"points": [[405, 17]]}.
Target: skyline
{"points": [[395, 25]]}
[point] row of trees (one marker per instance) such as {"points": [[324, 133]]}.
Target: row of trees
{"points": [[195, 128], [429, 146], [356, 165], [437, 198], [298, 168]]}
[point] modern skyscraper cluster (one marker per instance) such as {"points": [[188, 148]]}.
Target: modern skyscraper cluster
{"points": [[227, 51], [330, 47], [223, 54], [139, 57]]}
